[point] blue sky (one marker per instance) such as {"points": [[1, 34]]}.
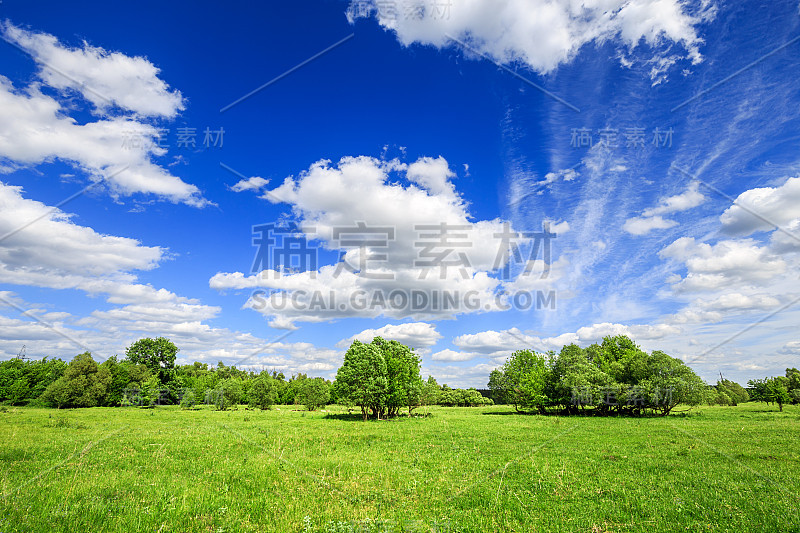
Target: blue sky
{"points": [[658, 140]]}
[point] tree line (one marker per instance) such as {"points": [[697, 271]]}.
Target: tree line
{"points": [[617, 377], [148, 376], [382, 377]]}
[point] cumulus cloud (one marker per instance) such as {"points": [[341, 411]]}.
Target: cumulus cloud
{"points": [[652, 218], [254, 183], [104, 78], [41, 246], [558, 227], [643, 226], [116, 150], [780, 205], [727, 264], [414, 334], [791, 348], [688, 199], [711, 310], [408, 244], [452, 356], [542, 34]]}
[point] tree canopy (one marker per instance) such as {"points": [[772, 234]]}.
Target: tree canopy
{"points": [[380, 377], [611, 377]]}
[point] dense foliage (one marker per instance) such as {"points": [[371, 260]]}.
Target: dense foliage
{"points": [[380, 377], [24, 381], [779, 390], [615, 376], [383, 377]]}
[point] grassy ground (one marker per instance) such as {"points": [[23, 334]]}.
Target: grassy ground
{"points": [[462, 469]]}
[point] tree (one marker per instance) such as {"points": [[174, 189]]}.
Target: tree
{"points": [[431, 392], [232, 392], [262, 392], [83, 384], [158, 355], [313, 393], [362, 377], [730, 393], [403, 382], [575, 380], [498, 387], [771, 390], [24, 381], [669, 383], [793, 384], [525, 375]]}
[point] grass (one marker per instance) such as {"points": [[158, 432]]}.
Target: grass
{"points": [[461, 469]]}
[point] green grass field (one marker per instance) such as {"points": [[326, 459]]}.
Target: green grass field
{"points": [[461, 469]]}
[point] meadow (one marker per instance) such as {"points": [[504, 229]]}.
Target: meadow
{"points": [[458, 469]]}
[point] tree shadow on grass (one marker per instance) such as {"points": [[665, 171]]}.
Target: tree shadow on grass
{"points": [[577, 414], [357, 416], [344, 416]]}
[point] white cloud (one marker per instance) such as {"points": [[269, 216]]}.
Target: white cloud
{"points": [[416, 218], [52, 251], [414, 334], [727, 264], [791, 348], [36, 128], [559, 228], [452, 356], [652, 218], [103, 78], [493, 343], [643, 226], [780, 205], [432, 175], [254, 183], [706, 311], [543, 34], [688, 199], [473, 375]]}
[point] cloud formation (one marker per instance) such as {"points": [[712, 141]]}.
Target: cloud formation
{"points": [[115, 149], [542, 34]]}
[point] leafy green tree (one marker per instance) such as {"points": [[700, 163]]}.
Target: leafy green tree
{"points": [[431, 392], [576, 382], [313, 393], [158, 355], [730, 393], [83, 384], [526, 374], [232, 391], [793, 384], [24, 381], [771, 390], [449, 397], [498, 387], [670, 382], [262, 392], [362, 377], [403, 382]]}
